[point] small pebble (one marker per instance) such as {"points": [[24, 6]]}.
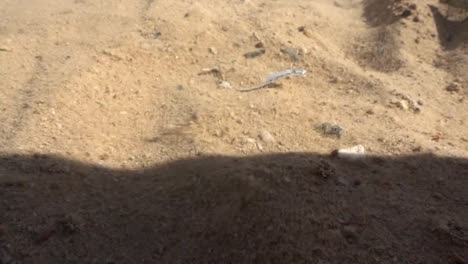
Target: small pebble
{"points": [[260, 45], [225, 85], [254, 54], [453, 87], [266, 136], [5, 48], [305, 31], [437, 196], [104, 157], [331, 130], [403, 105], [349, 232], [213, 50]]}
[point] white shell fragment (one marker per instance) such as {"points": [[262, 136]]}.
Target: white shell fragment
{"points": [[356, 152]]}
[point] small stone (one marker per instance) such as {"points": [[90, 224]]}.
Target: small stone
{"points": [[5, 48], [357, 182], [213, 50], [260, 45], [254, 54], [305, 31], [334, 79], [104, 157], [370, 112], [266, 136], [225, 85], [417, 149], [416, 109], [331, 130], [403, 105], [70, 224], [406, 13], [453, 87], [350, 233], [420, 102], [416, 19], [325, 170], [413, 6]]}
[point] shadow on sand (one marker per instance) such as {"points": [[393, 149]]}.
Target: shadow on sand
{"points": [[452, 34], [276, 208]]}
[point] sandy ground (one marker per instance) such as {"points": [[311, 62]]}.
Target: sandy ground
{"points": [[121, 142]]}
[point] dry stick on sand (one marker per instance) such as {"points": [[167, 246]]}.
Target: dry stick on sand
{"points": [[274, 77]]}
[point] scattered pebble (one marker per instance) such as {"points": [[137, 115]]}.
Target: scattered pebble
{"points": [[5, 48], [331, 130], [437, 196], [454, 87], [335, 79], [260, 45], [104, 157], [215, 71], [254, 54], [225, 85], [213, 50], [266, 136], [218, 133], [305, 31], [406, 13], [403, 105], [417, 149], [350, 233], [325, 170], [355, 152]]}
